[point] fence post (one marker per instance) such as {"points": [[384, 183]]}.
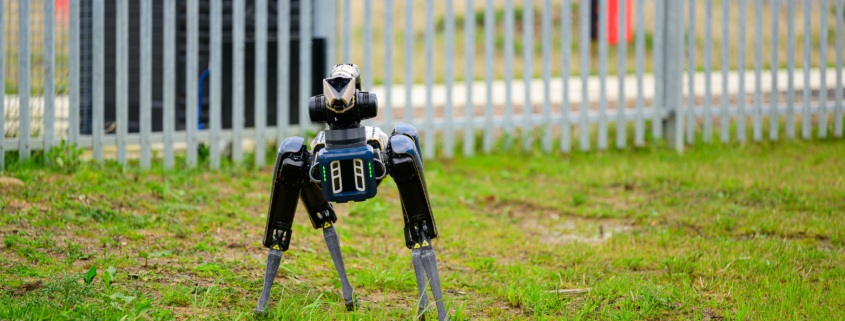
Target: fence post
{"points": [[23, 80], [673, 70], [2, 92], [49, 73]]}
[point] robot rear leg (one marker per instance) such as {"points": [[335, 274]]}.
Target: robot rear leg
{"points": [[323, 217]]}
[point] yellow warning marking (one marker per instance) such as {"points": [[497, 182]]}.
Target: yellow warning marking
{"points": [[276, 247], [327, 225], [425, 243], [416, 245]]}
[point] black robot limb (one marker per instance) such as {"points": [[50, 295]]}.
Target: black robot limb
{"points": [[288, 177], [291, 182], [323, 217], [406, 168]]}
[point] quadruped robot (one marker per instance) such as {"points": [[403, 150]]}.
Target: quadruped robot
{"points": [[346, 163]]}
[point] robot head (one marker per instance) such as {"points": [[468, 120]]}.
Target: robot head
{"points": [[343, 104], [339, 89]]}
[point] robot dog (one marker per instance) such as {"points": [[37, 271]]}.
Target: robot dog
{"points": [[347, 162]]}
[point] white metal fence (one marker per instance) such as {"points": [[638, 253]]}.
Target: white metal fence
{"points": [[576, 96]]}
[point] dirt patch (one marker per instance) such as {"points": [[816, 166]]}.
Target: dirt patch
{"points": [[28, 287], [552, 226]]}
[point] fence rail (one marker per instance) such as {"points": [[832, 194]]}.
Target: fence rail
{"points": [[574, 96]]}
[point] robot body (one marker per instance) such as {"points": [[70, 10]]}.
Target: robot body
{"points": [[346, 163]]}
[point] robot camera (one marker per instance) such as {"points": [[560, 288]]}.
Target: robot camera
{"points": [[343, 104]]}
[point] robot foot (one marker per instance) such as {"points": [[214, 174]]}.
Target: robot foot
{"points": [[419, 271], [333, 243], [425, 265], [274, 258], [430, 264]]}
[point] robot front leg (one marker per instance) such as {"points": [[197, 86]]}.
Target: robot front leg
{"points": [[288, 177], [406, 167]]}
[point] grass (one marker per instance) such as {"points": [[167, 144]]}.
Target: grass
{"points": [[736, 231]]}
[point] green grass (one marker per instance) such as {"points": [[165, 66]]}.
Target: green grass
{"points": [[740, 231]]}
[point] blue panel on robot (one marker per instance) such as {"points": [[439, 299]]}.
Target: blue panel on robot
{"points": [[347, 174]]}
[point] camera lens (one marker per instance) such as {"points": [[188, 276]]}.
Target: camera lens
{"points": [[367, 104], [317, 108]]}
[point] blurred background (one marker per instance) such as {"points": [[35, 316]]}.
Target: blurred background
{"points": [[468, 74]]}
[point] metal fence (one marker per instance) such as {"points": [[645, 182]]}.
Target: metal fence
{"points": [[575, 97]]}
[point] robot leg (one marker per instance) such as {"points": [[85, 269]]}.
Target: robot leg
{"points": [[419, 270], [288, 177], [407, 171], [323, 217]]}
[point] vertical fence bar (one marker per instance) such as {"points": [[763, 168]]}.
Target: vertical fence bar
{"points": [[805, 117], [790, 65], [99, 78], [448, 132], [840, 34], [674, 90], [347, 31], [331, 39], [509, 51], [192, 82], [305, 43], [566, 47], [622, 56], [546, 141], [388, 64], [409, 61], [691, 39], [639, 126], [469, 55], [169, 116], [823, 76], [602, 35], [49, 73], [146, 80], [368, 45], [657, 119], [122, 81], [261, 81], [23, 79], [489, 47], [773, 110], [528, 73], [584, 68], [428, 151], [740, 127], [283, 70], [238, 26], [216, 62], [724, 119], [758, 70], [707, 135], [73, 72], [3, 81]]}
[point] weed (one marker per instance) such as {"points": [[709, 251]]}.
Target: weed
{"points": [[64, 157]]}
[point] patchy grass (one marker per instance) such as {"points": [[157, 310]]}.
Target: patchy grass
{"points": [[735, 232]]}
